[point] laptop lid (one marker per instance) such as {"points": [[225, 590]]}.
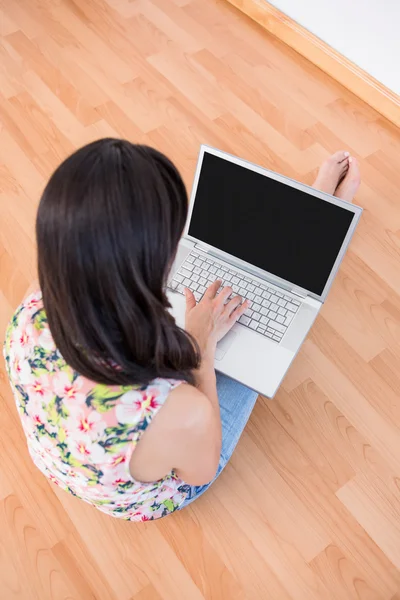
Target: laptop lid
{"points": [[270, 225]]}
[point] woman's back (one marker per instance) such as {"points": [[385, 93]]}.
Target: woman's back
{"points": [[82, 434]]}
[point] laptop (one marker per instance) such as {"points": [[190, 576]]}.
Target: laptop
{"points": [[275, 241]]}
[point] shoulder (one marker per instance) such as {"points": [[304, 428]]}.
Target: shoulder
{"points": [[188, 405], [184, 411]]}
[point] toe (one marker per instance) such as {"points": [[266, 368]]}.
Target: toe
{"points": [[342, 156], [354, 170]]}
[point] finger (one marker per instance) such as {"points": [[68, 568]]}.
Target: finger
{"points": [[223, 296], [233, 304], [239, 311], [190, 299], [212, 290]]}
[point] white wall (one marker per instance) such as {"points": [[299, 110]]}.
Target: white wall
{"points": [[367, 32]]}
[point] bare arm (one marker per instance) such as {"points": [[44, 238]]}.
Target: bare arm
{"points": [[186, 433]]}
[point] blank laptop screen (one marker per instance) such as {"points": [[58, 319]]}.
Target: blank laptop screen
{"points": [[273, 226]]}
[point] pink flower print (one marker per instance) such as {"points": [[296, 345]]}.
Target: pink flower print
{"points": [[113, 477], [92, 422], [48, 448], [39, 389], [21, 370], [117, 460], [83, 449], [68, 390], [86, 423], [128, 409], [25, 336], [22, 340], [32, 302], [45, 340], [134, 406]]}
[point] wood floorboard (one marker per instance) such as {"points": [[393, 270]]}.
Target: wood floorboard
{"points": [[309, 507]]}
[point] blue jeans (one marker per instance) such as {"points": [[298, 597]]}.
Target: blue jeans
{"points": [[236, 403]]}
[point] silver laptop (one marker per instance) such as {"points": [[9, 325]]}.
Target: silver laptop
{"points": [[275, 241]]}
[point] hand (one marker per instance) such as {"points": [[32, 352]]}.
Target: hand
{"points": [[211, 319]]}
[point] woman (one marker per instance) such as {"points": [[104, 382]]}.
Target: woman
{"points": [[120, 406]]}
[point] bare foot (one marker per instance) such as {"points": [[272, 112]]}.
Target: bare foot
{"points": [[347, 189], [331, 172]]}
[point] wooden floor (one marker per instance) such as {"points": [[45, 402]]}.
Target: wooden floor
{"points": [[309, 507]]}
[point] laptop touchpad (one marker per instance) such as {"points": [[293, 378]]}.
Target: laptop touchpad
{"points": [[224, 345]]}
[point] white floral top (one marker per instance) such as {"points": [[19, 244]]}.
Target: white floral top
{"points": [[81, 434]]}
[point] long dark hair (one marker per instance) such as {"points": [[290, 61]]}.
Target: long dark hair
{"points": [[108, 226]]}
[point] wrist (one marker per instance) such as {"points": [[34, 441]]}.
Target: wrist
{"points": [[206, 371]]}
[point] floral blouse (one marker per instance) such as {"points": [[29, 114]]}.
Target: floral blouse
{"points": [[82, 434]]}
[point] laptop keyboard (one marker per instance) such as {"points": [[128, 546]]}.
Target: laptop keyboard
{"points": [[271, 311]]}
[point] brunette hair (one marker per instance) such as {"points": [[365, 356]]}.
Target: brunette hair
{"points": [[108, 227]]}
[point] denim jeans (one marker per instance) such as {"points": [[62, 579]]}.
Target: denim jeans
{"points": [[236, 403]]}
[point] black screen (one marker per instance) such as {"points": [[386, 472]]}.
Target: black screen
{"points": [[273, 226]]}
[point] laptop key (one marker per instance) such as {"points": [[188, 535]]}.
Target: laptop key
{"points": [[266, 295], [274, 307], [281, 302], [256, 316], [185, 272], [277, 326], [272, 315], [280, 319], [257, 298], [253, 325], [264, 311], [289, 318], [235, 280], [256, 307], [264, 320], [282, 311], [291, 307], [244, 320], [274, 298], [242, 292], [195, 278], [249, 296], [266, 303], [276, 338]]}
